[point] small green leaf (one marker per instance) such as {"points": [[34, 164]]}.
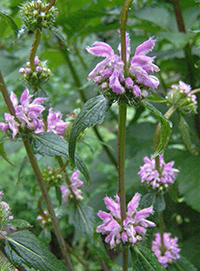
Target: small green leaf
{"points": [[181, 264], [19, 223], [23, 248], [3, 153], [58, 34], [82, 218], [92, 113], [165, 128], [185, 134], [144, 259], [51, 144], [10, 22]]}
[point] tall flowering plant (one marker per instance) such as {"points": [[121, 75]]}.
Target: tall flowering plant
{"points": [[130, 224]]}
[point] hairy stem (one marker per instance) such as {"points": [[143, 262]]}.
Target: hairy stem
{"points": [[122, 128], [6, 96], [34, 48], [50, 5]]}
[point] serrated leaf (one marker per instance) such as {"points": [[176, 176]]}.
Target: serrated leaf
{"points": [[58, 34], [23, 248], [165, 128], [92, 113], [10, 22], [82, 218], [3, 153], [19, 223], [51, 144], [181, 264], [144, 259], [185, 134]]}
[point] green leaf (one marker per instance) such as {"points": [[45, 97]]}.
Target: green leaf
{"points": [[185, 134], [51, 144], [144, 259], [58, 34], [92, 113], [23, 248], [188, 178], [19, 223], [181, 264], [165, 128], [155, 199], [82, 218], [8, 19], [3, 153]]}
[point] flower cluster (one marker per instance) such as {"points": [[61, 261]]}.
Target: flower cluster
{"points": [[27, 114], [180, 96], [37, 76], [5, 216], [168, 251], [75, 184], [134, 226], [157, 178], [36, 15], [45, 219], [109, 73], [52, 176]]}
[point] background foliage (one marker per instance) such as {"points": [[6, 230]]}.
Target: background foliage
{"points": [[178, 56]]}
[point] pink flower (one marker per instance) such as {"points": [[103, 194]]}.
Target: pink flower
{"points": [[55, 123], [27, 114], [157, 178], [168, 252], [134, 226], [75, 184], [111, 69]]}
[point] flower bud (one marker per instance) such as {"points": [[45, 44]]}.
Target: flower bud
{"points": [[34, 15], [181, 97]]}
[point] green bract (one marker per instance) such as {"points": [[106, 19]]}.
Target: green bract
{"points": [[36, 15]]}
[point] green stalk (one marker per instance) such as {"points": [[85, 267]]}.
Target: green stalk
{"points": [[121, 158], [122, 128], [40, 180], [34, 48]]}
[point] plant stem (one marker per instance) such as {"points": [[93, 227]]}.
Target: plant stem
{"points": [[39, 178], [6, 96], [48, 203], [121, 158], [34, 48], [78, 84], [50, 5], [122, 128]]}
